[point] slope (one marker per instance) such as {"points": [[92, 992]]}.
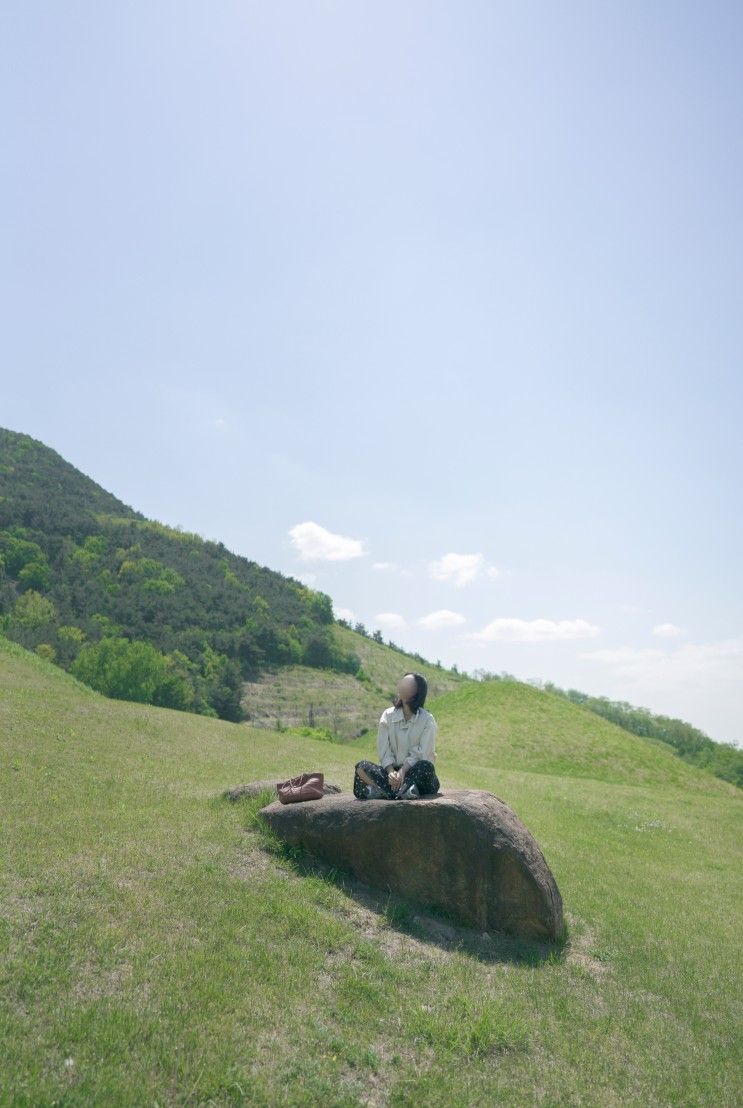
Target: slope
{"points": [[515, 726], [346, 705], [153, 950]]}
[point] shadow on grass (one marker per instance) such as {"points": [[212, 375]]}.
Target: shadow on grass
{"points": [[426, 923]]}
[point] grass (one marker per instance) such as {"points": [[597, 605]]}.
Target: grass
{"points": [[157, 949]]}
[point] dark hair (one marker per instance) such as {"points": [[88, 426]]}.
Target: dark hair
{"points": [[420, 697]]}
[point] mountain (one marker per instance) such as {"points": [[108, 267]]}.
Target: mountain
{"points": [[147, 612]]}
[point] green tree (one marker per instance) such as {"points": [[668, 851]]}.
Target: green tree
{"points": [[69, 641], [321, 607], [33, 610], [221, 684], [130, 670], [34, 575], [18, 552]]}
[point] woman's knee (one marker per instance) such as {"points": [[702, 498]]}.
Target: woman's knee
{"points": [[423, 765]]}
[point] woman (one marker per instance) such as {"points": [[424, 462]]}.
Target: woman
{"points": [[405, 744]]}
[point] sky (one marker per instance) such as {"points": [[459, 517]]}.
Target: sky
{"points": [[433, 306]]}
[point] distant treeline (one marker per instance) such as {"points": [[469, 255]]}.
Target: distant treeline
{"points": [[137, 609]]}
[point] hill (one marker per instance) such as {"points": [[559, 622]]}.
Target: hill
{"points": [[144, 611], [690, 743], [155, 949], [150, 613], [346, 706], [515, 726]]}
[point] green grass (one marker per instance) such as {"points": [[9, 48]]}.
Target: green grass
{"points": [[157, 949], [516, 726]]}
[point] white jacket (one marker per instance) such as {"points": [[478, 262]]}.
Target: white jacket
{"points": [[400, 740]]}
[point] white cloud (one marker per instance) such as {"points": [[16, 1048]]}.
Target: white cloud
{"points": [[315, 543], [682, 665], [535, 630], [345, 613], [219, 423], [437, 621], [461, 569], [383, 565], [392, 621], [668, 630]]}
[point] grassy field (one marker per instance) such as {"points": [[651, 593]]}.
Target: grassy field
{"points": [[157, 948]]}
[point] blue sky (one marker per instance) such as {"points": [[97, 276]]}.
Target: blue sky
{"points": [[433, 306]]}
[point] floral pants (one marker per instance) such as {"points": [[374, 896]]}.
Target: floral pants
{"points": [[422, 773]]}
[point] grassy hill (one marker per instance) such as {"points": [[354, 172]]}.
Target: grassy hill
{"points": [[155, 950], [345, 705], [512, 725]]}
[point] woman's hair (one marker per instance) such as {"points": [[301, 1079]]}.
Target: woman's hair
{"points": [[420, 697]]}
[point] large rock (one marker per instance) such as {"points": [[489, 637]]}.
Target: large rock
{"points": [[463, 850]]}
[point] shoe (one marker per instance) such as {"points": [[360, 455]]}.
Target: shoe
{"points": [[373, 792], [410, 793]]}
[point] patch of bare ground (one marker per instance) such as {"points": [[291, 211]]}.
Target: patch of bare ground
{"points": [[578, 951], [371, 1085], [94, 981], [373, 1088]]}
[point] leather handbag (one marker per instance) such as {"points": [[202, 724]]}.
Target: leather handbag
{"points": [[307, 786]]}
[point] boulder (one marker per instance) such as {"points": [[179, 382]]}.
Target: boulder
{"points": [[255, 787], [462, 850]]}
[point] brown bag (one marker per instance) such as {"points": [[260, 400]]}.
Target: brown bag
{"points": [[307, 786]]}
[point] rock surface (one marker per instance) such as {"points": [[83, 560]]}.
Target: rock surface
{"points": [[463, 850], [254, 787]]}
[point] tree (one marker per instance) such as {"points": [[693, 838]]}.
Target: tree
{"points": [[69, 639], [321, 607], [129, 670], [34, 575], [221, 684], [33, 610], [18, 552]]}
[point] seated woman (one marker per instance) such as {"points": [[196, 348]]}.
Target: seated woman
{"points": [[405, 744]]}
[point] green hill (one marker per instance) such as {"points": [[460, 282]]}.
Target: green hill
{"points": [[147, 612], [512, 725], [156, 950]]}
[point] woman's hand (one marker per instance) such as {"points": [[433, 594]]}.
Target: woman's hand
{"points": [[396, 778]]}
